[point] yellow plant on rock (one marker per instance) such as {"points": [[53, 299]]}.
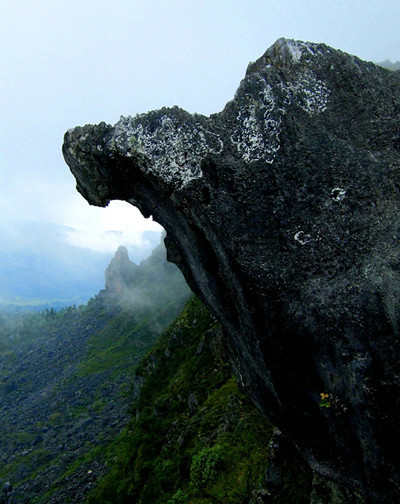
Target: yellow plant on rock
{"points": [[325, 402]]}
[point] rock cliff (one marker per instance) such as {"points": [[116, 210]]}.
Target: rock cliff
{"points": [[121, 272], [282, 211]]}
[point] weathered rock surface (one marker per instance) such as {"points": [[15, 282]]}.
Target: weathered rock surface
{"points": [[283, 213]]}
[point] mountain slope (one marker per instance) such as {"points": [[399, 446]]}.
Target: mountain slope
{"points": [[64, 382], [194, 437]]}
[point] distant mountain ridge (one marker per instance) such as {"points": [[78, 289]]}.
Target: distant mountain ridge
{"points": [[39, 267], [390, 65]]}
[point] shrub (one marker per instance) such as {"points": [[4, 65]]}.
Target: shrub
{"points": [[205, 466], [179, 497]]}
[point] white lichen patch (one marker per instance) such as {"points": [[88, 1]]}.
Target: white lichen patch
{"points": [[368, 269], [258, 127], [256, 134], [338, 194], [302, 238], [174, 147], [308, 92], [296, 49], [293, 49]]}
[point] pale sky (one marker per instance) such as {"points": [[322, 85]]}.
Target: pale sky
{"points": [[71, 62]]}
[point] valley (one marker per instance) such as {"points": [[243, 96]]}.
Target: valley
{"points": [[65, 381]]}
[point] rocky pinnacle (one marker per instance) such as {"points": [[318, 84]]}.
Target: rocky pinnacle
{"points": [[283, 212]]}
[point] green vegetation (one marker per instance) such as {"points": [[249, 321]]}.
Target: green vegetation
{"points": [[190, 434], [194, 437], [325, 400], [65, 382], [117, 346], [205, 466]]}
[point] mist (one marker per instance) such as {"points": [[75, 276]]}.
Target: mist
{"points": [[45, 264]]}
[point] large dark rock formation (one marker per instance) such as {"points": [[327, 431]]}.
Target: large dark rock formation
{"points": [[283, 212]]}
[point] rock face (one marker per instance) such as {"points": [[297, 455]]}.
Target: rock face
{"points": [[121, 272], [282, 211]]}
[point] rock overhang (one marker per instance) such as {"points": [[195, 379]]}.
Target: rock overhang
{"points": [[282, 213]]}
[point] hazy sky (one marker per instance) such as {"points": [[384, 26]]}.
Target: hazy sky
{"points": [[71, 62]]}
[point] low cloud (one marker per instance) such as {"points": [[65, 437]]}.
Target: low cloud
{"points": [[105, 229], [108, 241]]}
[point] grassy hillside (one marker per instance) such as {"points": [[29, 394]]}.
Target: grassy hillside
{"points": [[193, 436]]}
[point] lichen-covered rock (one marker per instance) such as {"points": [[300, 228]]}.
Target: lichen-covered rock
{"points": [[283, 213]]}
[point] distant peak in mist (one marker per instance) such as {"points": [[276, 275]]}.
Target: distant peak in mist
{"points": [[121, 271], [390, 65], [40, 265]]}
